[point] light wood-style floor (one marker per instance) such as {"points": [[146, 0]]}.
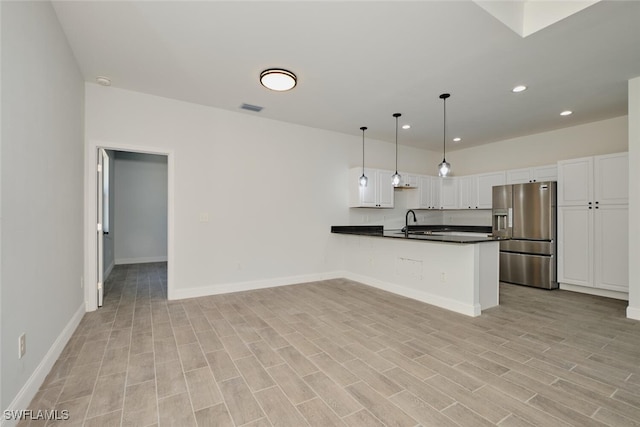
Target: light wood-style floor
{"points": [[340, 353]]}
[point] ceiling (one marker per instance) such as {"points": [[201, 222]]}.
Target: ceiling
{"points": [[358, 62]]}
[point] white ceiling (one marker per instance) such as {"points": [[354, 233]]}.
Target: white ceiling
{"points": [[359, 62]]}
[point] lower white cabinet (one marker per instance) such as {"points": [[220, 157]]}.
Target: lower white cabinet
{"points": [[593, 246], [377, 194]]}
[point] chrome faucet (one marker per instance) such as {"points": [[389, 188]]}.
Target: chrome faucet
{"points": [[406, 221]]}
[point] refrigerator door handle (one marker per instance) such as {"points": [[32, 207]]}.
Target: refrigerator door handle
{"points": [[510, 217]]}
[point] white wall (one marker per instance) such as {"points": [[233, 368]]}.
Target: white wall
{"points": [[42, 198], [591, 139], [140, 202], [633, 310], [271, 190]]}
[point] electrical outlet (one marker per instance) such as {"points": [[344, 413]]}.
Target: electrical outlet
{"points": [[443, 277], [22, 345]]}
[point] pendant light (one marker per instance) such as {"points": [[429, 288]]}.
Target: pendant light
{"points": [[395, 179], [444, 168], [363, 179]]}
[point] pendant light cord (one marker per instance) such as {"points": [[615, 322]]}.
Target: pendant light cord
{"points": [[396, 115], [444, 133], [363, 128]]}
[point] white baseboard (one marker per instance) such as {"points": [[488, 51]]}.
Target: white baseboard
{"points": [[595, 291], [633, 313], [226, 288], [141, 260], [31, 387], [446, 303]]}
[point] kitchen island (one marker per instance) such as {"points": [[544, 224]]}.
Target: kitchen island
{"points": [[450, 269]]}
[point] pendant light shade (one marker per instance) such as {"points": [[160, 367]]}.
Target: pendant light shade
{"points": [[444, 168], [363, 180], [396, 178]]}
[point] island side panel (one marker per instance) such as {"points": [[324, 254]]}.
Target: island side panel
{"points": [[488, 272], [441, 274]]}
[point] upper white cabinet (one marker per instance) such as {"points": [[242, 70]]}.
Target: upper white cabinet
{"points": [[611, 179], [594, 180], [377, 194], [485, 183], [408, 180], [449, 193], [536, 174], [423, 196], [468, 192]]}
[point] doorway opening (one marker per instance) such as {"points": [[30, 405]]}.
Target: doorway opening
{"points": [[129, 227]]}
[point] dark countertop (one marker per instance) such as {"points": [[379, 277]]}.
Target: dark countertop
{"points": [[419, 232]]}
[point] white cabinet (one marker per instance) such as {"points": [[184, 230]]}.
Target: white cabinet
{"points": [[611, 179], [408, 180], [422, 197], [476, 191], [536, 174], [468, 192], [449, 193], [545, 173], [593, 246], [593, 222], [485, 184], [611, 242], [594, 180], [377, 194], [575, 245]]}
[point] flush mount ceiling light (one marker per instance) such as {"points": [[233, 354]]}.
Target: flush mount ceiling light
{"points": [[566, 113], [395, 179], [103, 81], [405, 127], [519, 88], [457, 139], [363, 179], [278, 79], [444, 167]]}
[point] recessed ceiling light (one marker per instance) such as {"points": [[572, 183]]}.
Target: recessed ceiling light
{"points": [[566, 113], [104, 81], [519, 88], [457, 139], [278, 79], [406, 126]]}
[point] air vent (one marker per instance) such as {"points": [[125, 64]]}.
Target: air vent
{"points": [[250, 107]]}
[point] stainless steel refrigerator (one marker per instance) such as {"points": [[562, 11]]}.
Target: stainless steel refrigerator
{"points": [[525, 216]]}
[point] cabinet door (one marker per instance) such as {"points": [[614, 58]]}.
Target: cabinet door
{"points": [[425, 192], [611, 242], [467, 192], [384, 196], [408, 180], [575, 178], [611, 181], [486, 182], [436, 192], [449, 193], [545, 173], [575, 245], [519, 176]]}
